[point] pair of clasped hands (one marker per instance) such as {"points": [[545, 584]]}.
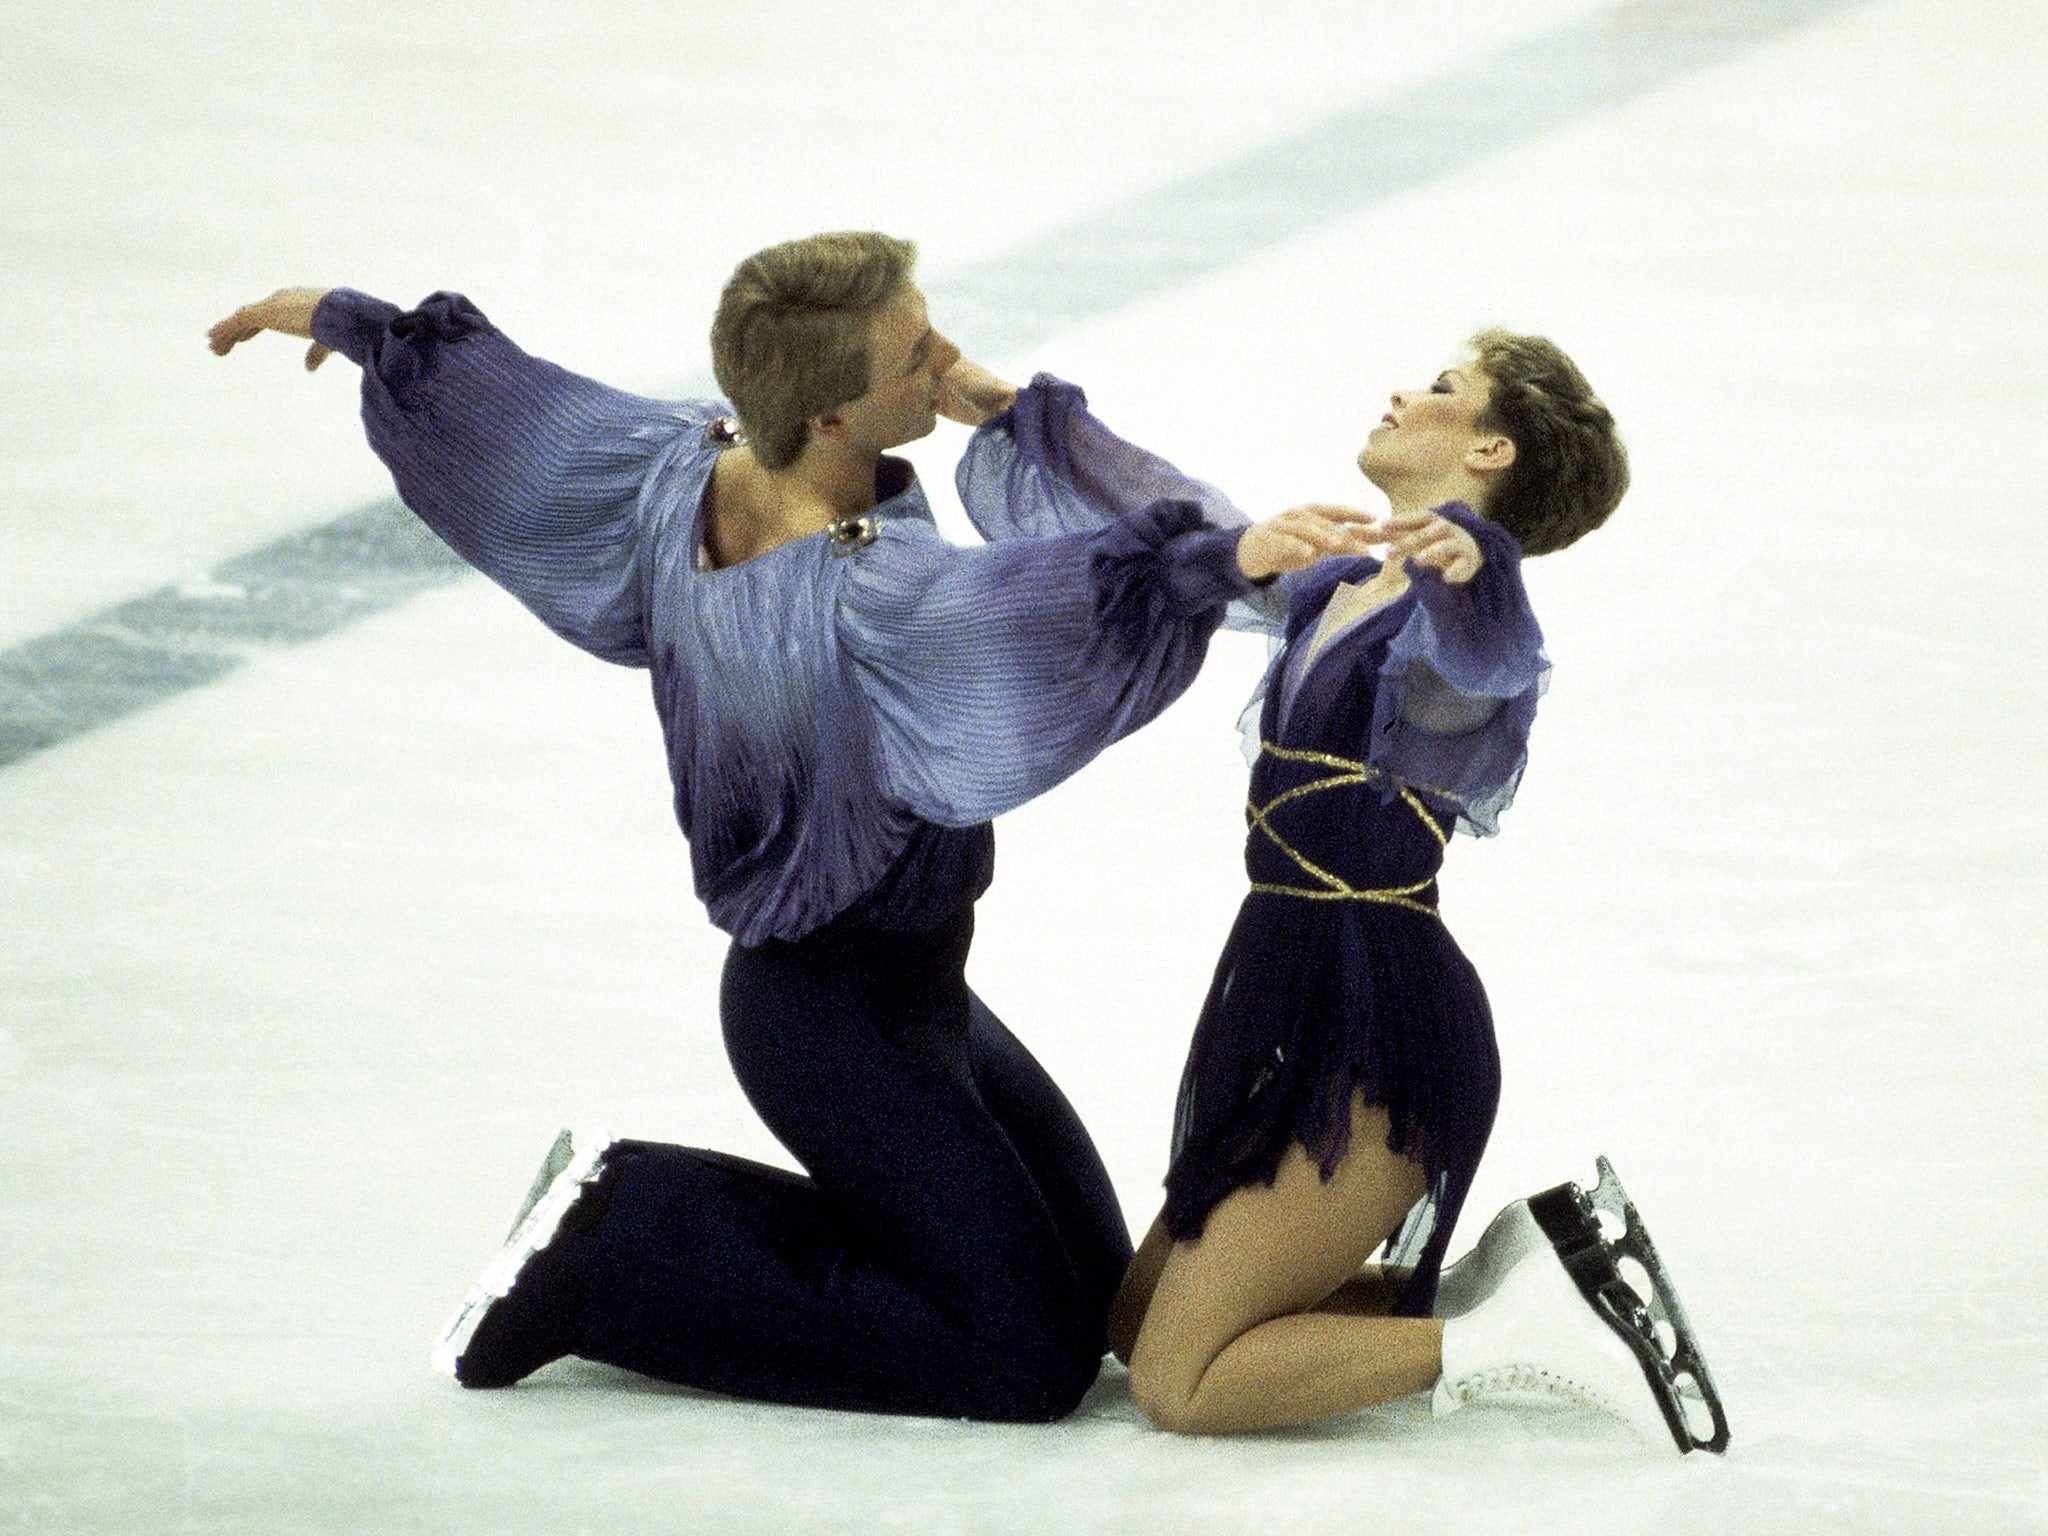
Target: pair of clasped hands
{"points": [[1300, 536], [1285, 542]]}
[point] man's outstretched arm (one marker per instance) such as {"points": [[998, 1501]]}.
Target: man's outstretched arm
{"points": [[531, 473]]}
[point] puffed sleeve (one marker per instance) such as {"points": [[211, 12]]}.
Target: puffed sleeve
{"points": [[1048, 466], [1458, 691], [993, 673], [529, 472]]}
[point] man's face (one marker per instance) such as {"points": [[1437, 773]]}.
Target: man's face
{"points": [[906, 361]]}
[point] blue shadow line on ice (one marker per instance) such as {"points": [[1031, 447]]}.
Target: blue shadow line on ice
{"points": [[309, 584], [153, 647]]}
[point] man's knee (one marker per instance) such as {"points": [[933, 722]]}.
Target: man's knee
{"points": [[1044, 1384]]}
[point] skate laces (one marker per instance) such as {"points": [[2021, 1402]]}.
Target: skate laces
{"points": [[1500, 1379]]}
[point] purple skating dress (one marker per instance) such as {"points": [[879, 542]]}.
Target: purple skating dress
{"points": [[1339, 974]]}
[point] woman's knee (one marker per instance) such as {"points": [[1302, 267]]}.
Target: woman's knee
{"points": [[1166, 1392]]}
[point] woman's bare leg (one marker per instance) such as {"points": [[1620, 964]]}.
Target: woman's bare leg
{"points": [[1233, 1339], [1371, 1292]]}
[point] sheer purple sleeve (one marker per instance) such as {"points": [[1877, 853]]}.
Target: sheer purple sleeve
{"points": [[995, 672], [1459, 689], [1047, 466], [529, 472]]}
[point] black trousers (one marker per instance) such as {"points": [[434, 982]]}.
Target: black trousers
{"points": [[955, 1248]]}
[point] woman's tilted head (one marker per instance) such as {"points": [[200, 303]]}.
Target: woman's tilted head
{"points": [[1511, 428], [791, 339], [1569, 468]]}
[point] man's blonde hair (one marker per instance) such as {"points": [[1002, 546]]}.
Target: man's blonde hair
{"points": [[790, 340]]}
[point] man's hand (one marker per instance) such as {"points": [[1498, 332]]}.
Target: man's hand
{"points": [[289, 311], [1301, 536], [1434, 541], [970, 394]]}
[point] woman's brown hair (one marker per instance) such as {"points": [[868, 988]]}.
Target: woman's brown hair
{"points": [[1570, 467]]}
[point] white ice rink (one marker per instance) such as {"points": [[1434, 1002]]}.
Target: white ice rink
{"points": [[300, 970]]}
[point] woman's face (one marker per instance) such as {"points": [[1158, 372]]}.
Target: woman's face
{"points": [[1427, 433]]}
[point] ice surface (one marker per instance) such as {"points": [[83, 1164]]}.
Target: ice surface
{"points": [[300, 971]]}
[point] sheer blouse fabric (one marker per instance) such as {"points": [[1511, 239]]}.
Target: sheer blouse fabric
{"points": [[841, 719]]}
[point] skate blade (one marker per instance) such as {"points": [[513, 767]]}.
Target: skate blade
{"points": [[1648, 1317], [536, 1228], [557, 1159]]}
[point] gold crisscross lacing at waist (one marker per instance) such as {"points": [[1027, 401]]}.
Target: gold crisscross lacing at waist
{"points": [[1343, 774]]}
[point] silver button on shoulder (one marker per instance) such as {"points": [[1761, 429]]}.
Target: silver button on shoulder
{"points": [[851, 533], [722, 432]]}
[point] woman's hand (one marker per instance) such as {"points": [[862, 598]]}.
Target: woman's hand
{"points": [[289, 311], [970, 394], [1435, 541], [1301, 536]]}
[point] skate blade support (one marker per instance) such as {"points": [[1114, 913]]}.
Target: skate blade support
{"points": [[1677, 1371]]}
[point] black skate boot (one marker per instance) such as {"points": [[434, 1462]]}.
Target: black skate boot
{"points": [[1647, 1317], [516, 1318]]}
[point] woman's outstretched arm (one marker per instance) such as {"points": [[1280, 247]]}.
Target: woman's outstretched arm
{"points": [[1458, 691]]}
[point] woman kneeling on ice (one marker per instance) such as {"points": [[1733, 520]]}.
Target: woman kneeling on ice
{"points": [[1343, 1077]]}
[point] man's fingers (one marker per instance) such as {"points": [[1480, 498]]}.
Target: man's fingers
{"points": [[289, 311], [226, 333], [244, 323], [316, 354]]}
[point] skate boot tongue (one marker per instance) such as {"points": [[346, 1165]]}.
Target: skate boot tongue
{"points": [[1507, 1239]]}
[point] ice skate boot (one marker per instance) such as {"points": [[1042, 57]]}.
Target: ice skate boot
{"points": [[1615, 1267], [514, 1319], [1535, 1336]]}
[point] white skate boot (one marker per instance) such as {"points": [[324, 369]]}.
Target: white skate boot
{"points": [[1548, 1303]]}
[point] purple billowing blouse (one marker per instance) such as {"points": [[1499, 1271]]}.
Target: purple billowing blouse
{"points": [[842, 721]]}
